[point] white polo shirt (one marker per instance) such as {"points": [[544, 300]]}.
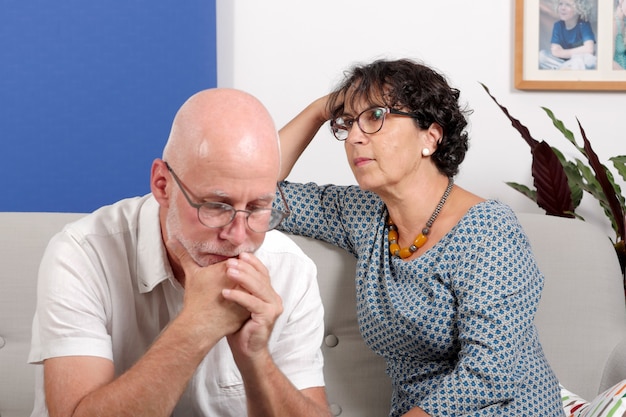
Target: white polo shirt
{"points": [[106, 289]]}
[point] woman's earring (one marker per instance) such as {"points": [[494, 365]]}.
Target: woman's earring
{"points": [[426, 152]]}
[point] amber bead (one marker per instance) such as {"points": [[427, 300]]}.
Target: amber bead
{"points": [[420, 240]]}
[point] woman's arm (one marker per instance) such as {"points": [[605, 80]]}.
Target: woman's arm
{"points": [[296, 135]]}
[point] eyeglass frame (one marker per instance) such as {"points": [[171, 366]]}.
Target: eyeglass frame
{"points": [[198, 206], [387, 110]]}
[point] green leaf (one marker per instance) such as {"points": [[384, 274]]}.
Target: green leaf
{"points": [[578, 216], [561, 127], [619, 162], [617, 188], [532, 194]]}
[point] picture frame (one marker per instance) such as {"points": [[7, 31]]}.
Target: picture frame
{"points": [[534, 21]]}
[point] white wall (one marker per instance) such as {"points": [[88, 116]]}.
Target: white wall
{"points": [[288, 52]]}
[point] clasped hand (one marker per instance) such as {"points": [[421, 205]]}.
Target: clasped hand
{"points": [[233, 298]]}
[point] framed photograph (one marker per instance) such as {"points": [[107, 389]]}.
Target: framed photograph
{"points": [[570, 45]]}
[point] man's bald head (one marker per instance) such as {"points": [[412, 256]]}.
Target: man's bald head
{"points": [[221, 123], [223, 148]]}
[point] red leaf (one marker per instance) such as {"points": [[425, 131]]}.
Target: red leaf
{"points": [[523, 130], [607, 188], [553, 192]]}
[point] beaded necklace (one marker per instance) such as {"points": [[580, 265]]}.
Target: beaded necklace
{"points": [[420, 240]]}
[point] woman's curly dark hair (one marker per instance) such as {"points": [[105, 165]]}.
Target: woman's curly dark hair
{"points": [[415, 88]]}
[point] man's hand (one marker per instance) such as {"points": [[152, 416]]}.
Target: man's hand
{"points": [[254, 292], [268, 391], [204, 305]]}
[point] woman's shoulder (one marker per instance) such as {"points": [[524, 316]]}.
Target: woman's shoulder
{"points": [[486, 221], [489, 212], [491, 206]]}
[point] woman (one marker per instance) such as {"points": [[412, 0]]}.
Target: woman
{"points": [[447, 286]]}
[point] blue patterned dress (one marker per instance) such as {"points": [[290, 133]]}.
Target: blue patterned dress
{"points": [[454, 325]]}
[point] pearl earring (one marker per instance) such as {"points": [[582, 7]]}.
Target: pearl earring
{"points": [[426, 152]]}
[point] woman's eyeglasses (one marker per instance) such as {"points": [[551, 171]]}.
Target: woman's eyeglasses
{"points": [[369, 121]]}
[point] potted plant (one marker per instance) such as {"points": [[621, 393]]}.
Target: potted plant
{"points": [[559, 183]]}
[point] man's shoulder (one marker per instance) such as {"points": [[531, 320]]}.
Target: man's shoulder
{"points": [[119, 224], [109, 218]]}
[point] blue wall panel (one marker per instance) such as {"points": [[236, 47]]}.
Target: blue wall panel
{"points": [[88, 91]]}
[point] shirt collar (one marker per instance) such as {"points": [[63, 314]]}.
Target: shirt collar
{"points": [[153, 266]]}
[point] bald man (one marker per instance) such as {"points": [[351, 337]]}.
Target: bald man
{"points": [[185, 302]]}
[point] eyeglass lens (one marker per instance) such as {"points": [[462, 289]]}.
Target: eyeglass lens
{"points": [[220, 215], [369, 121]]}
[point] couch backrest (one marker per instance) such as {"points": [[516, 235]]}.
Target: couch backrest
{"points": [[356, 382], [582, 314], [581, 317], [23, 238]]}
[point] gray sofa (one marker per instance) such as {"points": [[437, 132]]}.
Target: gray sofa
{"points": [[581, 317]]}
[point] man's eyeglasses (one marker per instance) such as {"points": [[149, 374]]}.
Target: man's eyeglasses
{"points": [[369, 121], [216, 215]]}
